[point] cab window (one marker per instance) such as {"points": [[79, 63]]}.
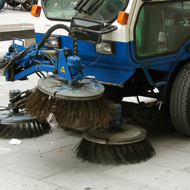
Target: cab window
{"points": [[161, 28], [100, 10], [59, 9]]}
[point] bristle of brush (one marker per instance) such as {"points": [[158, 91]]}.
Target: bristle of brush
{"points": [[114, 154], [24, 130], [78, 115]]}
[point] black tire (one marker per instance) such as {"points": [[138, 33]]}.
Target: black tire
{"points": [[2, 3], [13, 4], [28, 5], [180, 101]]}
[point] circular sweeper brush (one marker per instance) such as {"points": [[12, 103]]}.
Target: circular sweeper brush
{"points": [[75, 104], [21, 125], [16, 123], [124, 144]]}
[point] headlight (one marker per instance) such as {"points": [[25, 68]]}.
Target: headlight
{"points": [[105, 48], [53, 41]]}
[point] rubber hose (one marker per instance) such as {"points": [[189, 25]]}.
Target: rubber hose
{"points": [[50, 30], [42, 42], [3, 64], [16, 57]]}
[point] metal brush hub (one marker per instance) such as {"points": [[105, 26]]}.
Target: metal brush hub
{"points": [[16, 123], [14, 114], [12, 94], [8, 117], [56, 86], [21, 125], [116, 135]]}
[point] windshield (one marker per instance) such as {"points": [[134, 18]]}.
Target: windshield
{"points": [[100, 10]]}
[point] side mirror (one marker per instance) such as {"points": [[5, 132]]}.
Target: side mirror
{"points": [[87, 30]]}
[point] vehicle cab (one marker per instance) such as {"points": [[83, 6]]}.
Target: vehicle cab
{"points": [[153, 38]]}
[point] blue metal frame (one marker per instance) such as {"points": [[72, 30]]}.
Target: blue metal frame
{"points": [[115, 69], [120, 67], [68, 68]]}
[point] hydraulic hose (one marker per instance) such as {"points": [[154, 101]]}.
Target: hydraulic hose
{"points": [[55, 27], [5, 64], [49, 31]]}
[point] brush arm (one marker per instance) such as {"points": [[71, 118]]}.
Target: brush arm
{"points": [[34, 69]]}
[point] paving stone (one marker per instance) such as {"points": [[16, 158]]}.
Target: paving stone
{"points": [[91, 178], [52, 141], [171, 158], [153, 176], [15, 181], [182, 146], [150, 187], [34, 165], [168, 140]]}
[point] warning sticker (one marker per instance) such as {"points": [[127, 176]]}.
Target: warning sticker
{"points": [[161, 37], [62, 70]]}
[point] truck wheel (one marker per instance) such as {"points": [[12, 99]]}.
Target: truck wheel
{"points": [[13, 4], [180, 101], [28, 4]]}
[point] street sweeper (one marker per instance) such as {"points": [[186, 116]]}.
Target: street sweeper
{"points": [[99, 52], [147, 49]]}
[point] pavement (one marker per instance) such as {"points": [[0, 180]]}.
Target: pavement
{"points": [[49, 162]]}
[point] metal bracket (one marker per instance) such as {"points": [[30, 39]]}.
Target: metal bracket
{"points": [[160, 83]]}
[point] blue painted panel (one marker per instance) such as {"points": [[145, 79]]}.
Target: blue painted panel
{"points": [[108, 68], [124, 55], [108, 74], [120, 67], [87, 52]]}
